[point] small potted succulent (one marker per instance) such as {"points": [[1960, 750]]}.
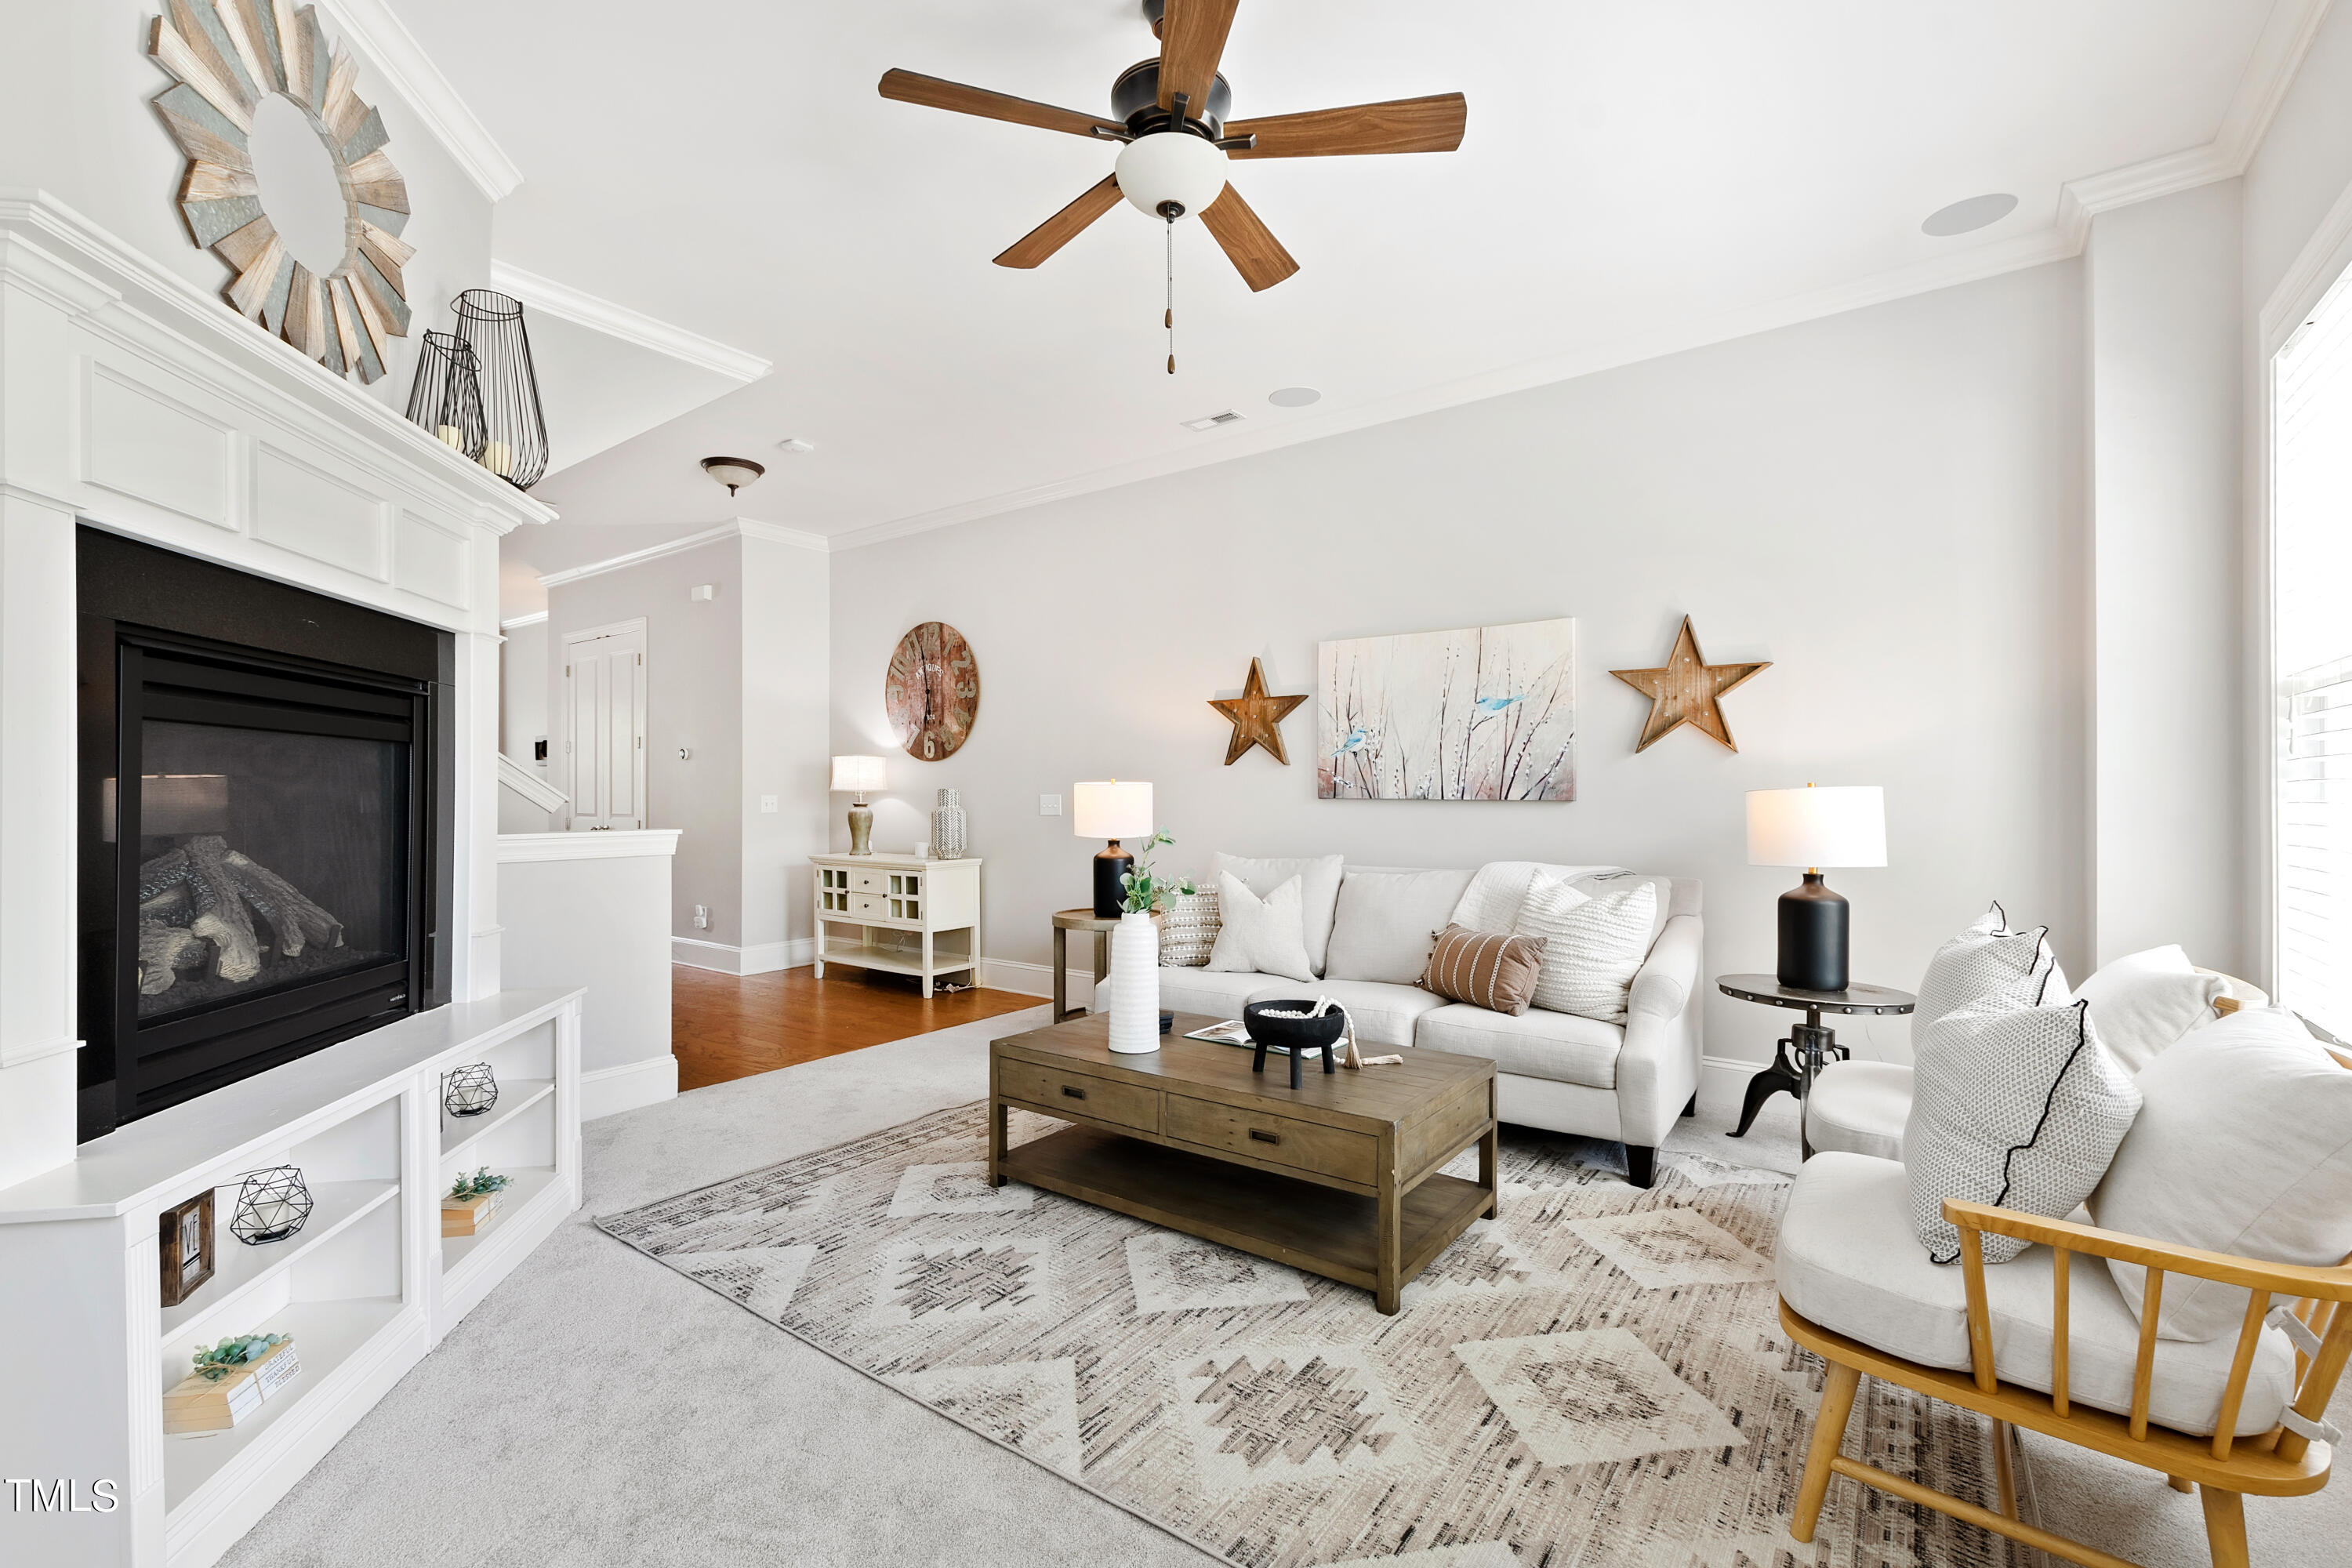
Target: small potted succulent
{"points": [[229, 1382], [471, 1202]]}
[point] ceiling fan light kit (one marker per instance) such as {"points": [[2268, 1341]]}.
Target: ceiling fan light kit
{"points": [[1172, 113]]}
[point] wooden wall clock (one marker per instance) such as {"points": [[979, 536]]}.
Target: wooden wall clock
{"points": [[232, 58], [932, 694]]}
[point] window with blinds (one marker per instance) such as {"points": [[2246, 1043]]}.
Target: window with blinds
{"points": [[2312, 628]]}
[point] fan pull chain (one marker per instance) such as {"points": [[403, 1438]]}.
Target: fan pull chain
{"points": [[1171, 320]]}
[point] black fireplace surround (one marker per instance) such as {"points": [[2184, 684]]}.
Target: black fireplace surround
{"points": [[265, 775]]}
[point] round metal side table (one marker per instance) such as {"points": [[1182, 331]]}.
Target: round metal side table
{"points": [[1813, 1046]]}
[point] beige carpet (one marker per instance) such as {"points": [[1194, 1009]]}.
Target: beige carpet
{"points": [[1596, 1377]]}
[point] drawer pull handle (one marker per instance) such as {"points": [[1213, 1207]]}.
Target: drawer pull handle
{"points": [[1266, 1137], [1073, 1091]]}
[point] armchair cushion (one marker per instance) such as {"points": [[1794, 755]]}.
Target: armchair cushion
{"points": [[1860, 1108], [2243, 1145], [1848, 1261], [1203, 991], [2142, 1003]]}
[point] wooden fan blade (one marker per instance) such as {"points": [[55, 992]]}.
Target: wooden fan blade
{"points": [[1256, 255], [932, 92], [1064, 226], [1191, 40], [1402, 125]]}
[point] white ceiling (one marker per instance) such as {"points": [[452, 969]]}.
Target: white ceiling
{"points": [[1629, 171]]}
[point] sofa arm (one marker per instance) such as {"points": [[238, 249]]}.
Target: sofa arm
{"points": [[1658, 1065]]}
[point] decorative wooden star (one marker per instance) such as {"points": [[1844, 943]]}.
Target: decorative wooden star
{"points": [[1683, 692], [1254, 717]]}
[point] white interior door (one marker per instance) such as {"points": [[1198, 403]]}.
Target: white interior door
{"points": [[604, 724]]}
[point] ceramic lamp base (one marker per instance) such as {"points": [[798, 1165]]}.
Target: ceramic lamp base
{"points": [[861, 829], [1813, 930], [1110, 865]]}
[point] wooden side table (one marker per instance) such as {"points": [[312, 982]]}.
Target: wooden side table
{"points": [[1812, 1044], [1065, 922]]}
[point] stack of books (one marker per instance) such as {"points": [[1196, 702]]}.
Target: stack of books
{"points": [[197, 1404]]}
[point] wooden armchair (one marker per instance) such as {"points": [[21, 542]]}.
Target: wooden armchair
{"points": [[2286, 1460]]}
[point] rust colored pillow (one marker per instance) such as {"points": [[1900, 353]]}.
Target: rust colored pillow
{"points": [[1496, 973]]}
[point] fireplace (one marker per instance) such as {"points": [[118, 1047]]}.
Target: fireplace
{"points": [[263, 772]]}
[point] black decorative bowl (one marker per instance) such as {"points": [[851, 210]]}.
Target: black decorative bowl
{"points": [[1294, 1035]]}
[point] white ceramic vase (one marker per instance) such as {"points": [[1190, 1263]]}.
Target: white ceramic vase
{"points": [[1135, 984]]}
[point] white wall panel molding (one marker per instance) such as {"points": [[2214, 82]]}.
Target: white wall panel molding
{"points": [[586, 310], [371, 29], [614, 844]]}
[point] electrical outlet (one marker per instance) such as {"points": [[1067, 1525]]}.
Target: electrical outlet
{"points": [[1049, 805], [702, 917], [767, 803]]}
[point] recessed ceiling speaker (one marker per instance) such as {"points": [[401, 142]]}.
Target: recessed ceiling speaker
{"points": [[1967, 217], [1293, 396]]}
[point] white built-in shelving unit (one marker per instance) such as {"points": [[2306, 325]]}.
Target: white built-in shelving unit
{"points": [[366, 1287]]}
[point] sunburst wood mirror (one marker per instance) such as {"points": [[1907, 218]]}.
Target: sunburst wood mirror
{"points": [[241, 65]]}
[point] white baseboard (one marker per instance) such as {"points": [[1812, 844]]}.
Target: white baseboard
{"points": [[760, 958], [1025, 979], [608, 1091]]}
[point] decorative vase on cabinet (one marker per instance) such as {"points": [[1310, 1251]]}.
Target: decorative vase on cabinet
{"points": [[947, 826], [1135, 983]]}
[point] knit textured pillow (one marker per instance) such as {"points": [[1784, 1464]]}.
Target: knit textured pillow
{"points": [[1188, 930], [1593, 947], [2016, 1107], [1989, 964], [1264, 936], [1496, 973]]}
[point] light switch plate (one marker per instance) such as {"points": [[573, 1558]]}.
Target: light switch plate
{"points": [[1049, 805], [767, 803]]}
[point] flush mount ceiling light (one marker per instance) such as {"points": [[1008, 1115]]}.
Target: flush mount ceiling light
{"points": [[1966, 217], [1293, 396], [732, 472]]}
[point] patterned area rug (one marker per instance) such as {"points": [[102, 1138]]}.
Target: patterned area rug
{"points": [[1596, 1377]]}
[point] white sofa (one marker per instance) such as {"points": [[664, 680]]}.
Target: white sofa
{"points": [[1554, 1071]]}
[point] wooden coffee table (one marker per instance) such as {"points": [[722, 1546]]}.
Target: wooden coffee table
{"points": [[1338, 1177]]}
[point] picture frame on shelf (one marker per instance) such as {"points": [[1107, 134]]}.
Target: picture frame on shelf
{"points": [[184, 1237]]}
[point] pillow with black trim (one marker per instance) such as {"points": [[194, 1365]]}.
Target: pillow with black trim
{"points": [[2016, 1107], [1989, 962]]}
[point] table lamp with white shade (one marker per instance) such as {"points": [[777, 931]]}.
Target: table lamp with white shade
{"points": [[1112, 809], [1813, 828], [858, 774]]}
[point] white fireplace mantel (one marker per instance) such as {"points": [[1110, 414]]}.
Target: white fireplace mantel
{"points": [[132, 400]]}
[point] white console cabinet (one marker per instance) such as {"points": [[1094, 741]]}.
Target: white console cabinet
{"points": [[902, 913], [365, 1288]]}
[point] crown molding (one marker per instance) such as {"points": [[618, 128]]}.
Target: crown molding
{"points": [[630, 326], [734, 528], [395, 55], [537, 617]]}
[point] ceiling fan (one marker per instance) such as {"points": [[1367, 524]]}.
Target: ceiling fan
{"points": [[1170, 114]]}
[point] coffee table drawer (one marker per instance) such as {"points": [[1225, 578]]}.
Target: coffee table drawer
{"points": [[1076, 1094], [1303, 1145]]}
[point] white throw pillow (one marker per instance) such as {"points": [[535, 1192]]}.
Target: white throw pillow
{"points": [[2015, 1106], [2243, 1145], [2145, 1002], [1319, 894], [1989, 962], [1388, 921], [1492, 901], [1259, 936], [1593, 947]]}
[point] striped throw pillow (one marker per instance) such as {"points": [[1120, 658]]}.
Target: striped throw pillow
{"points": [[1496, 973]]}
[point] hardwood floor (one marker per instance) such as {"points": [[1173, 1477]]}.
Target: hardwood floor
{"points": [[725, 1026]]}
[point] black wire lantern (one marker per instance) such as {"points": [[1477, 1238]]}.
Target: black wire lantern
{"points": [[447, 395], [469, 1090], [514, 445], [270, 1207]]}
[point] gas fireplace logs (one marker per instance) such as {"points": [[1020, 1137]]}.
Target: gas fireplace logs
{"points": [[197, 904]]}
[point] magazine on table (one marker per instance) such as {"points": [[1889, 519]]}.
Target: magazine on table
{"points": [[1234, 1031]]}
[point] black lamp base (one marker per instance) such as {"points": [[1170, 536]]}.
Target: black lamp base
{"points": [[1813, 929], [1110, 865]]}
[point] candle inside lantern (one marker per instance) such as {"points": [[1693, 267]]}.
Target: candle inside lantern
{"points": [[273, 1215], [451, 437], [498, 457]]}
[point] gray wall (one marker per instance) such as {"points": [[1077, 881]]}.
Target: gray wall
{"points": [[786, 637], [1887, 504], [694, 697], [522, 693]]}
